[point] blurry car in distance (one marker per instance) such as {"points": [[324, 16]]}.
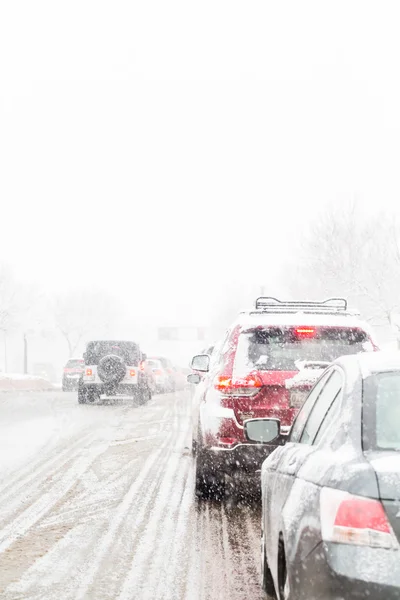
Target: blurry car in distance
{"points": [[330, 494], [114, 368], [72, 372], [159, 373], [168, 368]]}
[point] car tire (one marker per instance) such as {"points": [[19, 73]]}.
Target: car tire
{"points": [[267, 583], [86, 396], [82, 395], [283, 575], [142, 396], [208, 484]]}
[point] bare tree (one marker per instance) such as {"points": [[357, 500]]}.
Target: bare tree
{"points": [[346, 252], [11, 305], [80, 315]]}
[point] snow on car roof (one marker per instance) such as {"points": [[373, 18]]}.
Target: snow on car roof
{"points": [[304, 377], [373, 362], [301, 318]]}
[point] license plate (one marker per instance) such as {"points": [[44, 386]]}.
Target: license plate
{"points": [[297, 398]]}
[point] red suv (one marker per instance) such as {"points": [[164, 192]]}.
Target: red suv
{"points": [[246, 377]]}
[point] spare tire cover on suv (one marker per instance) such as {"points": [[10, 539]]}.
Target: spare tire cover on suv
{"points": [[111, 369]]}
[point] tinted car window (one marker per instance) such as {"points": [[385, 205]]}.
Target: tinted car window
{"points": [[321, 407], [280, 349], [74, 363], [128, 351], [302, 417], [329, 419]]}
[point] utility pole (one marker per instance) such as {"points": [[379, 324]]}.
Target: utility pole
{"points": [[5, 351], [25, 354]]}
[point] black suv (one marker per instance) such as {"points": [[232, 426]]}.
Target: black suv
{"points": [[114, 368]]}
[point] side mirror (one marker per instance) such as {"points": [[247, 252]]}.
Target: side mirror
{"points": [[262, 431], [201, 362], [193, 378]]}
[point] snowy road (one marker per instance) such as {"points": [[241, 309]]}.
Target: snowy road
{"points": [[96, 502]]}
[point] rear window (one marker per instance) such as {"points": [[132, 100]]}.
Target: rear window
{"points": [[74, 363], [155, 364], [283, 349], [128, 351], [381, 412]]}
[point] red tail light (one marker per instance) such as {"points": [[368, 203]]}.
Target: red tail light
{"points": [[305, 332], [348, 519], [238, 386], [142, 365], [157, 372]]}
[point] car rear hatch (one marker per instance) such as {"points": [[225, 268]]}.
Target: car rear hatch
{"points": [[267, 358]]}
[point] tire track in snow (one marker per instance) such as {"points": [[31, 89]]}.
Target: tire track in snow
{"points": [[29, 517], [32, 476], [116, 521], [158, 531]]}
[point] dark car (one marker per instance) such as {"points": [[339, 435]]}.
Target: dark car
{"points": [[114, 368], [331, 493], [72, 372]]}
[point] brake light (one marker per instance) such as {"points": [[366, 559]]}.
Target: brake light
{"points": [[305, 332], [142, 366], [89, 372], [157, 372], [348, 519], [132, 373], [238, 386]]}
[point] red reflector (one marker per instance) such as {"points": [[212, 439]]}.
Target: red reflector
{"points": [[228, 441], [306, 332]]}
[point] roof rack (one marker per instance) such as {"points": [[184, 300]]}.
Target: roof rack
{"points": [[269, 304]]}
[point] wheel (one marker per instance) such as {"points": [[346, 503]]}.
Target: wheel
{"points": [[208, 484], [284, 580], [267, 582], [82, 395], [86, 395], [142, 396]]}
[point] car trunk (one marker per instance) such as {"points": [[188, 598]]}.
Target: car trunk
{"points": [[272, 400], [387, 468]]}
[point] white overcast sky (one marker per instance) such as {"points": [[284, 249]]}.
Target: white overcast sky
{"points": [[169, 147]]}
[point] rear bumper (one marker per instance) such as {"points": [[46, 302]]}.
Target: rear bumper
{"points": [[244, 458], [70, 382], [122, 389], [344, 572]]}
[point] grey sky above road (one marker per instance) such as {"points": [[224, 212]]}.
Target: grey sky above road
{"points": [[161, 149]]}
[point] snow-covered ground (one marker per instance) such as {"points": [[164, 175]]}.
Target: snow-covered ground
{"points": [[97, 502]]}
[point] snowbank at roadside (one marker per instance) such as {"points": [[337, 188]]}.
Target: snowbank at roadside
{"points": [[14, 382]]}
